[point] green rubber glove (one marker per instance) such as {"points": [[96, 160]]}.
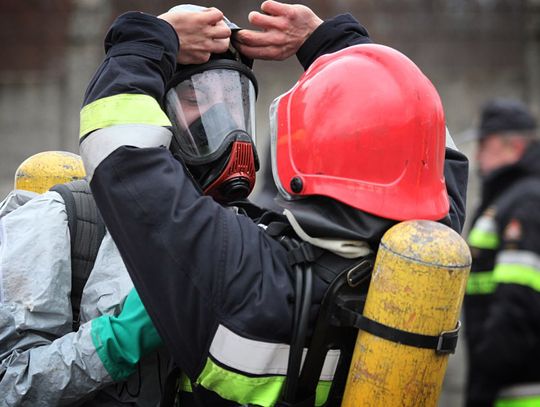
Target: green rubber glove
{"points": [[121, 341]]}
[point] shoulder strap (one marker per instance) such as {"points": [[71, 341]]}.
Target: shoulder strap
{"points": [[86, 230]]}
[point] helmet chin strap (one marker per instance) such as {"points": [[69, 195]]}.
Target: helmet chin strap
{"points": [[237, 179]]}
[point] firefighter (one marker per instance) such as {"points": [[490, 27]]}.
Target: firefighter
{"points": [[48, 355], [53, 286], [218, 287], [502, 298]]}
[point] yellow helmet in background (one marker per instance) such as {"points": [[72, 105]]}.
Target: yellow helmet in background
{"points": [[41, 171]]}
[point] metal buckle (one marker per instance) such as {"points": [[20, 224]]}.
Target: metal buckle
{"points": [[450, 336], [352, 279]]}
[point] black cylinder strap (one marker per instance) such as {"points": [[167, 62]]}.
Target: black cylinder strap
{"points": [[443, 343]]}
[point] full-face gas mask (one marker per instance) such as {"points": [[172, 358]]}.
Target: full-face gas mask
{"points": [[212, 110]]}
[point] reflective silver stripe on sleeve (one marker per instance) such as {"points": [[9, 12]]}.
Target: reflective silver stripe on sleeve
{"points": [[255, 357], [486, 224], [520, 390], [521, 257], [450, 141], [99, 144]]}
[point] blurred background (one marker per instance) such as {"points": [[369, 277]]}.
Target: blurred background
{"points": [[472, 50]]}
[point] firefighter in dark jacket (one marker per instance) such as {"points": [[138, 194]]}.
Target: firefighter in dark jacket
{"points": [[503, 292], [219, 287]]}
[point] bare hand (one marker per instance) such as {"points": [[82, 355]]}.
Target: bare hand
{"points": [[284, 28], [200, 34]]}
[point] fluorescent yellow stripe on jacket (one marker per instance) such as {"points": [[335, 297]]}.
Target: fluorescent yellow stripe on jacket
{"points": [[532, 401], [519, 395], [518, 267], [517, 274], [121, 109], [484, 233], [483, 239], [261, 391], [481, 282]]}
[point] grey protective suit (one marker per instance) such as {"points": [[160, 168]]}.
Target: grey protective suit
{"points": [[42, 361]]}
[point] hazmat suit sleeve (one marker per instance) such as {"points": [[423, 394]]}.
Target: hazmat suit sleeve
{"points": [[42, 363]]}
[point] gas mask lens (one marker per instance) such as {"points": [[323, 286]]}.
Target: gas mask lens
{"points": [[210, 110]]}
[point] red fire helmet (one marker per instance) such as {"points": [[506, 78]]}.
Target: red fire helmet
{"points": [[366, 127]]}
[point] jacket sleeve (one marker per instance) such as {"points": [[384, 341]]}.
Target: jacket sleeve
{"points": [[42, 363], [456, 174], [344, 31], [127, 90], [510, 337], [332, 35], [185, 253]]}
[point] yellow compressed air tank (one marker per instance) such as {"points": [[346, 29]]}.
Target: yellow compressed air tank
{"points": [[41, 171], [417, 286]]}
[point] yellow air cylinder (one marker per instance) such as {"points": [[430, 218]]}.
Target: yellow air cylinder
{"points": [[41, 171], [417, 286]]}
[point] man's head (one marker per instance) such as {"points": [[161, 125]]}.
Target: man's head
{"points": [[365, 127], [506, 129], [212, 110]]}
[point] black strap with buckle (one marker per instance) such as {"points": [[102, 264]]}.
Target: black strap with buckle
{"points": [[304, 252], [444, 343]]}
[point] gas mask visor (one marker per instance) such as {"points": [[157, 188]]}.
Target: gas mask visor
{"points": [[210, 107]]}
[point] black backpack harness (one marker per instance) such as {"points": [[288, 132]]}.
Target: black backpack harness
{"points": [[86, 229], [338, 321]]}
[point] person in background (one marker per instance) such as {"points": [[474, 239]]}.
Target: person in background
{"points": [[48, 301], [503, 292]]}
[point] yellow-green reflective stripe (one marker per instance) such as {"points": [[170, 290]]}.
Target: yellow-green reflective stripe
{"points": [[517, 274], [323, 390], [121, 109], [481, 283], [185, 384], [261, 391], [533, 401], [483, 239]]}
